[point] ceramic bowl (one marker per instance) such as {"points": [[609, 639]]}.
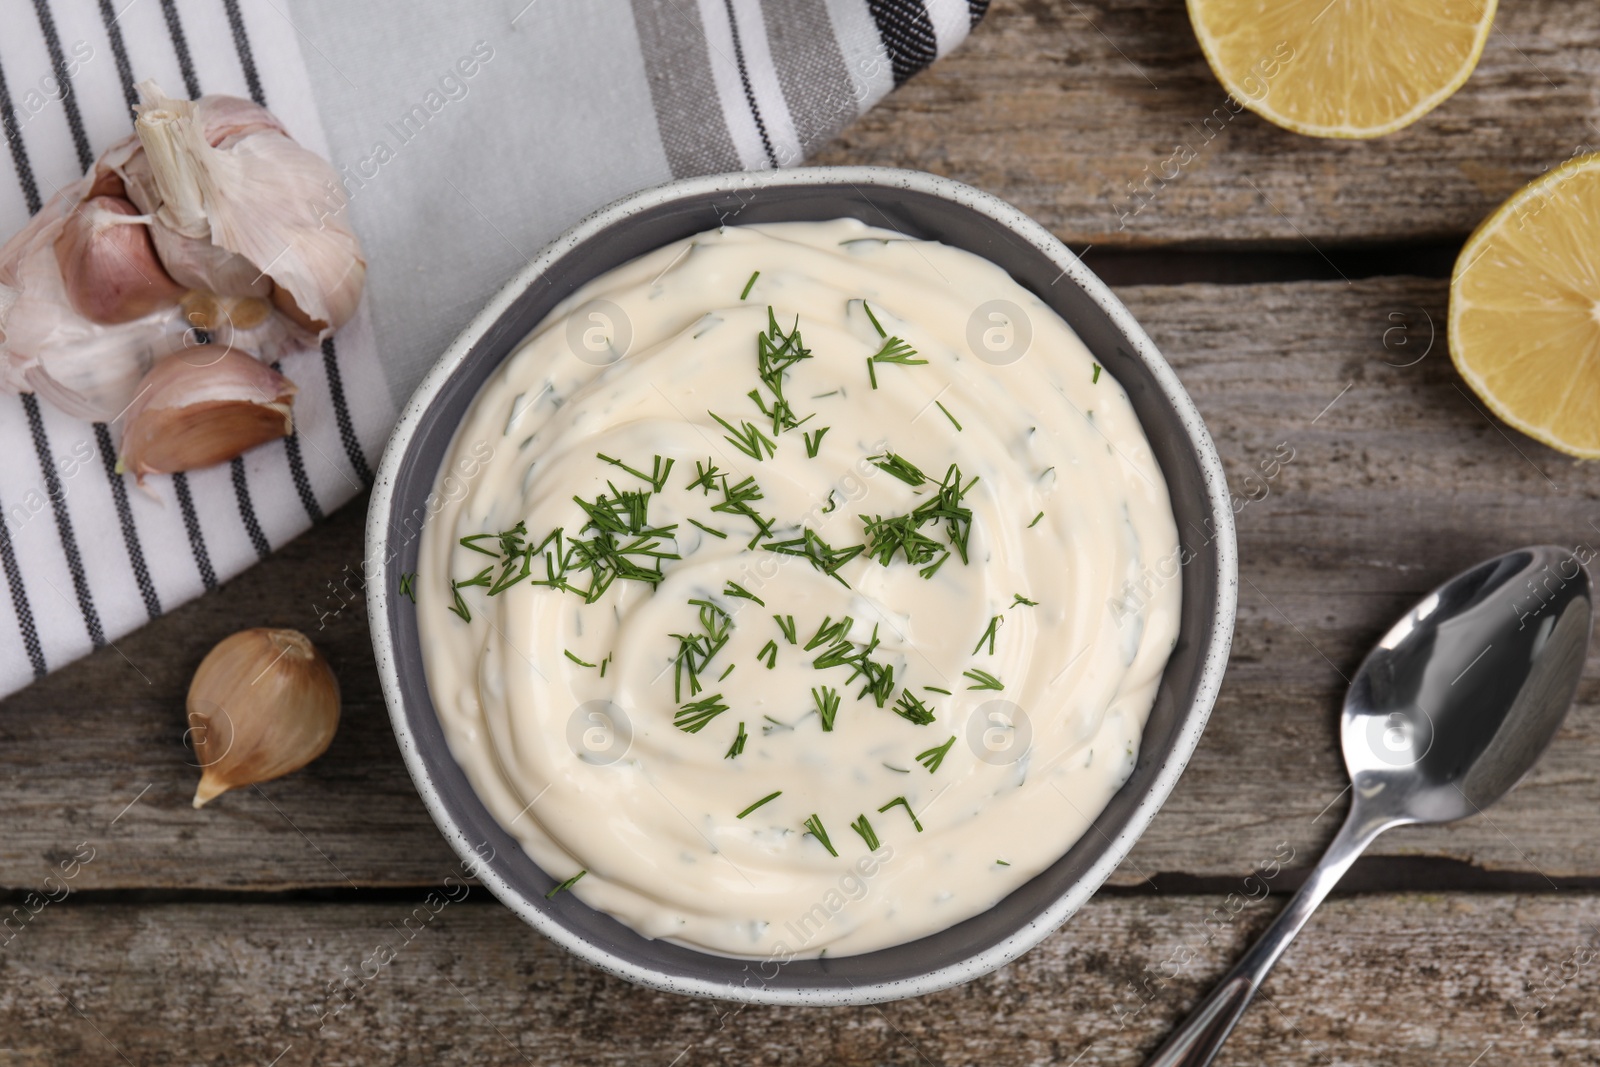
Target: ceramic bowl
{"points": [[919, 205]]}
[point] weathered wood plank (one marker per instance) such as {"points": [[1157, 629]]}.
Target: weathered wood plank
{"points": [[1396, 481], [1079, 112], [1407, 981]]}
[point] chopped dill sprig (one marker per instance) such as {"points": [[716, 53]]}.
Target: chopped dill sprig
{"points": [[933, 568], [736, 749], [905, 804], [823, 556], [460, 606], [1096, 379], [1035, 521], [734, 589], [900, 467], [603, 664], [692, 717], [827, 631], [984, 679], [946, 504], [827, 700], [832, 504], [864, 828], [776, 352], [705, 478], [695, 651], [568, 884], [844, 653], [575, 659], [727, 672], [786, 626], [995, 622], [813, 439], [876, 325], [736, 500], [936, 689], [408, 585], [747, 438], [757, 804], [1018, 601], [932, 758], [894, 350], [911, 708], [901, 533], [749, 285], [814, 828], [658, 477], [768, 654], [949, 416], [1002, 863], [707, 529]]}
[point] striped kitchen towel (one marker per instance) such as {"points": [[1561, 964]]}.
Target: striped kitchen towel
{"points": [[467, 135]]}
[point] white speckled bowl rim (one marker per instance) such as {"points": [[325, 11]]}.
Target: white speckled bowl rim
{"points": [[877, 195]]}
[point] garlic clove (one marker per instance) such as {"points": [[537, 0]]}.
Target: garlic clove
{"points": [[89, 370], [199, 409], [262, 704], [108, 264]]}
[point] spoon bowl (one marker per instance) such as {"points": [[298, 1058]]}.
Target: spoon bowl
{"points": [[1464, 693], [1455, 704]]}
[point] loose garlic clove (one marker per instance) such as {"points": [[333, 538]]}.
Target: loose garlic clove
{"points": [[263, 703], [199, 409], [108, 264]]}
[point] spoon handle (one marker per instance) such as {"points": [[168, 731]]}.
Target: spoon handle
{"points": [[1197, 1041]]}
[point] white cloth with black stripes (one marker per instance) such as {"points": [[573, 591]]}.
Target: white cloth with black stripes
{"points": [[467, 135]]}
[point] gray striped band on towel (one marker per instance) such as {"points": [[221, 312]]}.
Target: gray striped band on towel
{"points": [[714, 85]]}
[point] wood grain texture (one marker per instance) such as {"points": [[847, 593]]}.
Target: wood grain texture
{"points": [[1079, 111], [466, 983], [1396, 481]]}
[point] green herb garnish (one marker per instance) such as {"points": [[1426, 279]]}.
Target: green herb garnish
{"points": [[900, 467], [905, 804], [575, 659], [737, 748], [823, 556], [911, 708], [1096, 379], [989, 635], [814, 828], [936, 689], [984, 679], [747, 438], [1018, 600], [408, 586], [734, 589], [757, 804], [949, 416], [1035, 521], [864, 828], [769, 654], [827, 701], [813, 439], [658, 477], [749, 285], [932, 758], [786, 626], [692, 717], [705, 478], [707, 529], [568, 884], [695, 651]]}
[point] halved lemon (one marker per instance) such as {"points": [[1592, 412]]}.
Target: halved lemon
{"points": [[1342, 68], [1525, 309]]}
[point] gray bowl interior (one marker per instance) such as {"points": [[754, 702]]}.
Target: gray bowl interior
{"points": [[916, 214]]}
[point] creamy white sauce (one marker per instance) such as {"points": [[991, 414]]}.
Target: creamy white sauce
{"points": [[590, 773]]}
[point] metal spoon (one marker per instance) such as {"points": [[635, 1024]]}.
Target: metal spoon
{"points": [[1456, 703]]}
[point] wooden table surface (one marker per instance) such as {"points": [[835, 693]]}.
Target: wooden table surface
{"points": [[1298, 287]]}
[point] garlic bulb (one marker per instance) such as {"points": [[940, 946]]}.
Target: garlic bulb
{"points": [[225, 184], [262, 704], [108, 265], [204, 407]]}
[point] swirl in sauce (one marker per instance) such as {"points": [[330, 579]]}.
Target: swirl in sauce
{"points": [[620, 694]]}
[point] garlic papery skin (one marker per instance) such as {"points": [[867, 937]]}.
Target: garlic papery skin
{"points": [[204, 407], [253, 192], [108, 265], [262, 704]]}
